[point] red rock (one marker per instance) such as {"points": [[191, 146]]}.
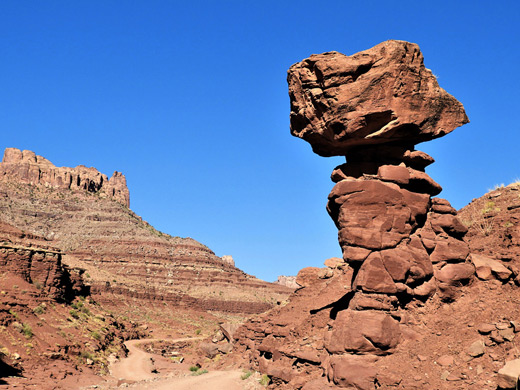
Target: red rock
{"points": [[373, 276], [486, 328], [307, 276], [447, 223], [228, 330], [420, 182], [445, 360], [29, 168], [456, 274], [384, 94], [417, 160], [351, 371], [449, 249], [353, 254], [334, 262], [394, 173], [442, 206], [508, 375], [487, 268], [363, 332]]}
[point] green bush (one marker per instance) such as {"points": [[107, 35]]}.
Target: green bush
{"points": [[194, 368], [246, 375], [40, 309], [27, 331], [199, 372], [95, 335], [74, 314], [265, 380]]}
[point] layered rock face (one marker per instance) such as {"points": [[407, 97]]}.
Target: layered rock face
{"points": [[123, 256], [32, 259], [26, 167], [400, 245]]}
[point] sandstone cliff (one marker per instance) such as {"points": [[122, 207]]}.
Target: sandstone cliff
{"points": [[123, 256], [26, 167]]}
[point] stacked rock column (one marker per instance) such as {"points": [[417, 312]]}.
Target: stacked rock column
{"points": [[403, 245]]}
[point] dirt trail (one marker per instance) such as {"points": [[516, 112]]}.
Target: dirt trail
{"points": [[136, 370]]}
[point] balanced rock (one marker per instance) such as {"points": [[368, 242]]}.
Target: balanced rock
{"points": [[399, 245]]}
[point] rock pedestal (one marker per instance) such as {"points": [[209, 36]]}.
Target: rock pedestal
{"points": [[372, 108], [399, 244]]}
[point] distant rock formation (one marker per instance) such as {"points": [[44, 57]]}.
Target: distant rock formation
{"points": [[288, 281], [228, 260], [123, 255], [399, 245], [29, 168]]}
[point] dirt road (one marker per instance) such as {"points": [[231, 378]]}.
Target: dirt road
{"points": [[137, 371]]}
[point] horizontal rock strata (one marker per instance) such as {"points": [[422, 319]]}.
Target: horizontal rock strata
{"points": [[122, 255]]}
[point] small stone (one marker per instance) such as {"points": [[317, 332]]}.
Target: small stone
{"points": [[421, 358], [445, 360], [485, 328], [496, 337], [476, 349], [334, 262], [516, 326], [507, 334], [445, 375], [502, 325], [452, 377], [480, 369], [325, 273]]}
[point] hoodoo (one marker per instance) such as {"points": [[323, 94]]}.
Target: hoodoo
{"points": [[400, 246]]}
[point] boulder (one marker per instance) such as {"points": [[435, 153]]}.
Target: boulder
{"points": [[508, 375], [488, 268], [363, 332], [381, 95], [352, 372]]}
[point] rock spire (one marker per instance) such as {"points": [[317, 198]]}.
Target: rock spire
{"points": [[399, 244]]}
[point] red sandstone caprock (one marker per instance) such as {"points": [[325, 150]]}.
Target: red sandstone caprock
{"points": [[381, 95]]}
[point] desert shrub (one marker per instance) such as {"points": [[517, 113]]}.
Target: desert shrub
{"points": [[246, 375], [95, 335], [197, 332], [265, 380], [74, 313], [27, 331], [194, 368], [40, 309], [86, 355], [199, 372], [489, 207]]}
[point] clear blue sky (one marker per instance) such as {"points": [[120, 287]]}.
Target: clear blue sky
{"points": [[189, 100]]}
